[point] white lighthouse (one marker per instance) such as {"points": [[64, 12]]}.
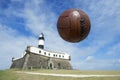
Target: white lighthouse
{"points": [[38, 57], [41, 41]]}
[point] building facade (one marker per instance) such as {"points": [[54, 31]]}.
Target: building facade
{"points": [[38, 57]]}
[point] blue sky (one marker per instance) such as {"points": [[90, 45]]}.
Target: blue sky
{"points": [[21, 22]]}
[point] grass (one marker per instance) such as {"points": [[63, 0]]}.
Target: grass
{"points": [[7, 75], [12, 75]]}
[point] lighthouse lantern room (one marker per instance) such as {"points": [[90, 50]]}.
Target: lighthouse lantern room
{"points": [[41, 41]]}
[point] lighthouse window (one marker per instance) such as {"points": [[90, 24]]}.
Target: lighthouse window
{"points": [[54, 55], [49, 54], [59, 55], [44, 53], [40, 51]]}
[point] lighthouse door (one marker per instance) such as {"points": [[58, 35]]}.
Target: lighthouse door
{"points": [[51, 66]]}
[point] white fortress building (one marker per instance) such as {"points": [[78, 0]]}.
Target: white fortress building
{"points": [[38, 57], [48, 53]]}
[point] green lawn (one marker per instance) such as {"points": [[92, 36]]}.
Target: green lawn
{"points": [[8, 75], [12, 75]]}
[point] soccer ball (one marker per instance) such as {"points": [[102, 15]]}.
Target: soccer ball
{"points": [[73, 25]]}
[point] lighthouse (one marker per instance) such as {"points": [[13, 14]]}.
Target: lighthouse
{"points": [[41, 41], [38, 57]]}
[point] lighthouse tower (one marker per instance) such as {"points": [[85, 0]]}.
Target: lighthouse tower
{"points": [[41, 41]]}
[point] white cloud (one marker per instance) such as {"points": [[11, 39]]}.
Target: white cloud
{"points": [[90, 63], [12, 45], [89, 58], [38, 18]]}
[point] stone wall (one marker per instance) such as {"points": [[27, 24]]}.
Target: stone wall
{"points": [[18, 63], [32, 60], [37, 61], [61, 63]]}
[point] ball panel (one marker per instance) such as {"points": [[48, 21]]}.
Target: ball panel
{"points": [[63, 22], [74, 26], [63, 28], [86, 25], [64, 33]]}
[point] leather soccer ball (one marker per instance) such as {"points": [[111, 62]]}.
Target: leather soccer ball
{"points": [[73, 25]]}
